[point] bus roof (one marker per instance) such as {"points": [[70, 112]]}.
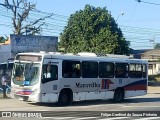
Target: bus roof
{"points": [[85, 56]]}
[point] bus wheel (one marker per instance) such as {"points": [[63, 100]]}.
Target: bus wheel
{"points": [[64, 99], [118, 95]]}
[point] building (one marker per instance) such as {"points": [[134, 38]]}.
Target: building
{"points": [[27, 43], [24, 43], [153, 57]]}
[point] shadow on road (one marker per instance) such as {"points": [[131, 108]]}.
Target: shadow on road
{"points": [[140, 100], [101, 102], [153, 93]]}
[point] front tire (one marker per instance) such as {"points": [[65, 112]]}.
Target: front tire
{"points": [[118, 95], [64, 99]]}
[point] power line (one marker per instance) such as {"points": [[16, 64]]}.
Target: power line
{"points": [[133, 11], [147, 2], [56, 24], [37, 11]]}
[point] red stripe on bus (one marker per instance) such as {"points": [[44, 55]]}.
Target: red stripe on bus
{"points": [[102, 87], [136, 87]]}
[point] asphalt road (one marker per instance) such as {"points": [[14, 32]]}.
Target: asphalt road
{"points": [[98, 109]]}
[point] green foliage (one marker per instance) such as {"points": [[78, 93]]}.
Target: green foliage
{"points": [[157, 46], [93, 30], [2, 40]]}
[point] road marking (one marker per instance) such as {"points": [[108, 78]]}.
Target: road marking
{"points": [[59, 118], [100, 118], [148, 118], [141, 106], [85, 118], [114, 118]]}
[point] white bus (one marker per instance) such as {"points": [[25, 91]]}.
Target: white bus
{"points": [[64, 78]]}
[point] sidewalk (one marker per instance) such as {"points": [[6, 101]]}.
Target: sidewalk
{"points": [[1, 94], [154, 88]]}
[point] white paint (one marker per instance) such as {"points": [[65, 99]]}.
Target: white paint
{"points": [[49, 97], [79, 96], [109, 95], [5, 52], [95, 95], [135, 93], [92, 95]]}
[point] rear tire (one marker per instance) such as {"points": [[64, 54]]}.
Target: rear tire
{"points": [[64, 99], [118, 95]]}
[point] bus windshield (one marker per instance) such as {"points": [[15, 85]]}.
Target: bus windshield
{"points": [[26, 74]]}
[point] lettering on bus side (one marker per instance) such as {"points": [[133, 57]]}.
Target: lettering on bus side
{"points": [[94, 84], [66, 85]]}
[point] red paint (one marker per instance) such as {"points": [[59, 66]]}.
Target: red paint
{"points": [[24, 93], [136, 87]]}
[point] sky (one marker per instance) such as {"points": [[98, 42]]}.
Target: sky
{"points": [[140, 22]]}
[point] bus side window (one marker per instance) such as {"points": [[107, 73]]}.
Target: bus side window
{"points": [[106, 70], [144, 71], [135, 70], [89, 69], [121, 70], [50, 73], [71, 69]]}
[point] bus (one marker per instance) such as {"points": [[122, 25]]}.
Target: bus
{"points": [[63, 78]]}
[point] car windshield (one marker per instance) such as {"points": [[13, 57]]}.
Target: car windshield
{"points": [[26, 73]]}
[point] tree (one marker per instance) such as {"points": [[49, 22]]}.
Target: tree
{"points": [[2, 39], [93, 30], [21, 10], [157, 46]]}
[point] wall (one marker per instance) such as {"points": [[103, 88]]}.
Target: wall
{"points": [[5, 52], [29, 43]]}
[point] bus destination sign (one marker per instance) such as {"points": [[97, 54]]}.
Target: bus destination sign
{"points": [[32, 58]]}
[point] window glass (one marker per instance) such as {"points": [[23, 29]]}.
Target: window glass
{"points": [[106, 70], [135, 70], [144, 71], [50, 73], [26, 73], [71, 69], [121, 70], [89, 69], [150, 67]]}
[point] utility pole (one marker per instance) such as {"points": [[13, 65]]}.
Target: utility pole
{"points": [[153, 41]]}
